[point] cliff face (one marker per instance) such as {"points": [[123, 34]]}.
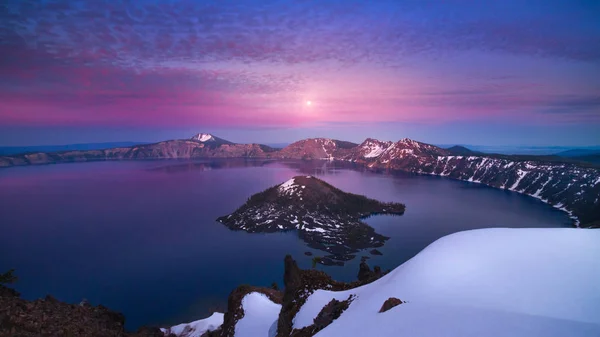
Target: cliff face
{"points": [[562, 182], [172, 149], [316, 148]]}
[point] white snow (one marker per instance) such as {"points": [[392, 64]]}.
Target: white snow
{"points": [[521, 175], [529, 166], [204, 137], [286, 186], [487, 282], [196, 328], [374, 151], [316, 229], [537, 193], [259, 315]]}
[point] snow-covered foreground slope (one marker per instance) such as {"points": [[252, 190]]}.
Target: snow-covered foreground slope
{"points": [[196, 328], [260, 315], [489, 282]]}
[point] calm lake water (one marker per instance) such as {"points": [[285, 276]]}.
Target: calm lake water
{"points": [[141, 237]]}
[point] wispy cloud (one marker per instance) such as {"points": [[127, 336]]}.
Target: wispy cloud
{"points": [[253, 62]]}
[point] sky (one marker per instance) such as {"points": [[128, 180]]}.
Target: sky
{"points": [[509, 72]]}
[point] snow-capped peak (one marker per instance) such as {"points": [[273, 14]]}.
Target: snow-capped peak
{"points": [[372, 148], [204, 137], [407, 141]]}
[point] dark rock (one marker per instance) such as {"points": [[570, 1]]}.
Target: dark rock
{"points": [[365, 274], [150, 332], [377, 272], [332, 311], [375, 252], [364, 258], [390, 303], [291, 273], [51, 299], [306, 283], [308, 253], [51, 317], [364, 271], [8, 292]]}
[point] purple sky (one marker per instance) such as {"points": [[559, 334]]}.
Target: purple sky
{"points": [[510, 72]]}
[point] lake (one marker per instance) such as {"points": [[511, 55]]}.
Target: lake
{"points": [[140, 237]]}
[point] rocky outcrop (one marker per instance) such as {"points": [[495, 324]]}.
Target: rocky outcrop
{"points": [[325, 217], [50, 317], [375, 252], [330, 312], [390, 303], [365, 274], [299, 285]]}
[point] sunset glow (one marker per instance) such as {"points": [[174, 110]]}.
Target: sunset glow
{"points": [[430, 70]]}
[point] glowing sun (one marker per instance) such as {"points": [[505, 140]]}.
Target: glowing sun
{"points": [[308, 103]]}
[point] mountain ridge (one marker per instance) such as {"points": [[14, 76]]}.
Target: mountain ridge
{"points": [[567, 184]]}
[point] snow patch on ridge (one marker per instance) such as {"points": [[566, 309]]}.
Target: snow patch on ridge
{"points": [[375, 151], [204, 137], [521, 174]]}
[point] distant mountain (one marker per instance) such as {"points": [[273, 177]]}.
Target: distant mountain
{"points": [[518, 150], [10, 150], [316, 148], [462, 151], [578, 153], [210, 140], [569, 184]]}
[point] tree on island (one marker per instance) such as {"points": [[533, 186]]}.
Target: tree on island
{"points": [[8, 277]]}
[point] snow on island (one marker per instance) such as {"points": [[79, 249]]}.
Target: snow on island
{"points": [[324, 216]]}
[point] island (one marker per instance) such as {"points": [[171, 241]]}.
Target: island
{"points": [[325, 217]]}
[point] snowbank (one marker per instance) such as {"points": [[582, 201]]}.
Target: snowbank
{"points": [[196, 328], [259, 315], [488, 282]]}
